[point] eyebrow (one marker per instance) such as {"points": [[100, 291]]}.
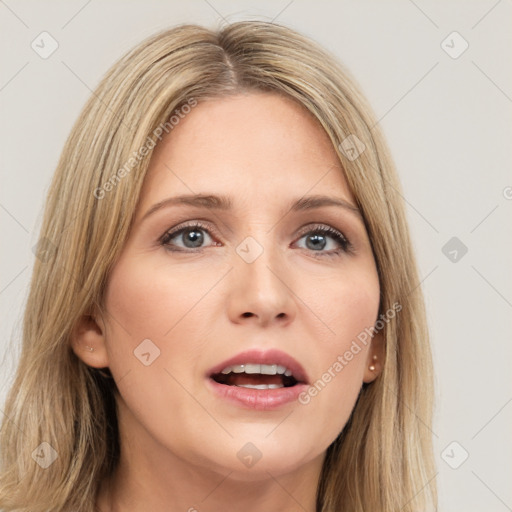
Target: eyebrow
{"points": [[224, 203]]}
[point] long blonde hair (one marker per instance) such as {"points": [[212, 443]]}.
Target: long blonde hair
{"points": [[382, 460]]}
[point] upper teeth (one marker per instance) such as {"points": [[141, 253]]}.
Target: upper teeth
{"points": [[265, 369]]}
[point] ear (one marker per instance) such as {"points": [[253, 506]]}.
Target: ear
{"points": [[375, 358], [88, 341]]}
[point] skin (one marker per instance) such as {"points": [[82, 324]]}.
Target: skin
{"points": [[179, 442]]}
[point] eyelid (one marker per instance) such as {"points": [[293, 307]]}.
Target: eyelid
{"points": [[197, 223], [319, 226]]}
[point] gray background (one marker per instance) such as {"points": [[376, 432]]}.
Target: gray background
{"points": [[447, 121]]}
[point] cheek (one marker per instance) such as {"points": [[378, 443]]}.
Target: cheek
{"points": [[346, 303], [348, 307], [148, 300], [144, 302]]}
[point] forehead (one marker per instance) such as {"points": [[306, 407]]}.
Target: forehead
{"points": [[257, 146]]}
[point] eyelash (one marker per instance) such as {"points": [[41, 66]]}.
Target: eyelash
{"points": [[346, 246]]}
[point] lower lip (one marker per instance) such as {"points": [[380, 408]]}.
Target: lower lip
{"points": [[257, 399]]}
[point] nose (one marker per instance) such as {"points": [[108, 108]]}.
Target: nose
{"points": [[260, 290]]}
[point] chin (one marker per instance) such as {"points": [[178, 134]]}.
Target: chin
{"points": [[260, 458]]}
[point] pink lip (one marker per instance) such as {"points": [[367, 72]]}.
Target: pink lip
{"points": [[260, 399], [257, 399]]}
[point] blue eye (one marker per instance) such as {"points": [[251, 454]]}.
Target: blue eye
{"points": [[193, 237], [317, 240], [191, 234]]}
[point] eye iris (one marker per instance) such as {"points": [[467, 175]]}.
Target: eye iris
{"points": [[193, 235], [319, 241]]}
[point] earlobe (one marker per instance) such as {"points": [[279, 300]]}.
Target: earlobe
{"points": [[375, 359], [88, 341], [372, 367]]}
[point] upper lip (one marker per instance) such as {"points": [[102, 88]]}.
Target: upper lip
{"points": [[272, 356]]}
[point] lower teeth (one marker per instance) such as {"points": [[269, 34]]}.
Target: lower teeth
{"points": [[260, 386]]}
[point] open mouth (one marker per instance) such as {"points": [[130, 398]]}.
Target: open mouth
{"points": [[256, 376]]}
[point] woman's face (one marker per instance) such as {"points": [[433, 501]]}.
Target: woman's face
{"points": [[258, 276]]}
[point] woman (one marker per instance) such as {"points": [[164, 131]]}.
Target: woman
{"points": [[225, 311]]}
